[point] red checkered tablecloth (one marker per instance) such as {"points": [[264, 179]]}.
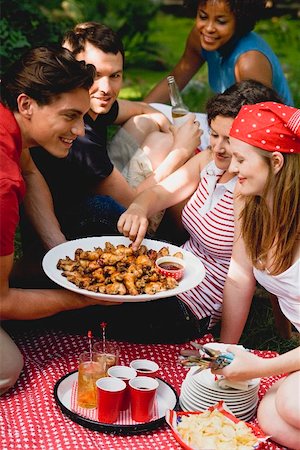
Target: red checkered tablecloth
{"points": [[31, 419]]}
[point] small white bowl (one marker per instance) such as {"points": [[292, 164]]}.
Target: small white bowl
{"points": [[171, 266]]}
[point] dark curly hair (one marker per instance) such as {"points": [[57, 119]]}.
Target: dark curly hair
{"points": [[43, 73], [246, 12], [246, 92]]}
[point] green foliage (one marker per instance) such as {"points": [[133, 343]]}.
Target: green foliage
{"points": [[260, 331], [282, 34], [131, 18], [23, 25], [28, 24]]}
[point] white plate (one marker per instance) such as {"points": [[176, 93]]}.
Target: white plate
{"points": [[167, 398], [206, 378], [193, 275], [188, 405], [238, 395], [202, 395], [189, 394]]}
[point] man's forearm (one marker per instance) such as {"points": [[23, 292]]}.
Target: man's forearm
{"points": [[28, 304], [39, 208]]}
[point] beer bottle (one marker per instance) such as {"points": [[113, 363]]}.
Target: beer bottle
{"points": [[179, 109]]}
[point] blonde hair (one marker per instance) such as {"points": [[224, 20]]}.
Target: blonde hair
{"points": [[278, 229]]}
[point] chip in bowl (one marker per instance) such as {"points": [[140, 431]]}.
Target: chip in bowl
{"points": [[213, 429]]}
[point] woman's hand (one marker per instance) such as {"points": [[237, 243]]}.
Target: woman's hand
{"points": [[133, 223], [187, 136], [245, 365]]}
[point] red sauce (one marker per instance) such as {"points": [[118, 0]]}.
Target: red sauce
{"points": [[170, 266]]}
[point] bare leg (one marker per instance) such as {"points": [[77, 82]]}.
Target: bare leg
{"points": [[11, 362], [279, 412], [157, 146], [139, 127]]}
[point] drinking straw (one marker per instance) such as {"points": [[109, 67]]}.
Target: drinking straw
{"points": [[103, 326], [90, 343]]}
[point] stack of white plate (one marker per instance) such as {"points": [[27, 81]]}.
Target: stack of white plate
{"points": [[200, 390]]}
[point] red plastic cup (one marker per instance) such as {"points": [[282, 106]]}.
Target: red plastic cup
{"points": [[110, 393], [142, 394], [126, 374], [145, 367]]}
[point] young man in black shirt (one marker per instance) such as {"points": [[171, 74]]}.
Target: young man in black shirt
{"points": [[87, 193]]}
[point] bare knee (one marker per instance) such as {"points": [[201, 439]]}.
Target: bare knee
{"points": [[11, 362], [274, 423], [140, 126], [287, 399]]}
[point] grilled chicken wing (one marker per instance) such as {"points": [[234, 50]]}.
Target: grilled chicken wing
{"points": [[117, 270]]}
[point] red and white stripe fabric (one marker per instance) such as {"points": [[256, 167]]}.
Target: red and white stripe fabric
{"points": [[209, 219]]}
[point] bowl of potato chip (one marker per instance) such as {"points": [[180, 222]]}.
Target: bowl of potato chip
{"points": [[215, 429]]}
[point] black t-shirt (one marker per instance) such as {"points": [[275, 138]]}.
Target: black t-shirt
{"points": [[70, 179]]}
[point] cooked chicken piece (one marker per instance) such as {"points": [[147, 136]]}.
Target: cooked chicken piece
{"points": [[97, 287], [76, 278], [140, 284], [178, 255], [136, 270], [153, 287], [144, 260], [116, 276], [129, 259], [129, 281], [154, 276], [88, 266], [142, 250], [67, 264], [115, 289], [109, 259], [121, 266], [108, 270], [164, 251], [171, 283], [152, 254], [109, 247], [89, 255], [123, 250], [98, 276]]}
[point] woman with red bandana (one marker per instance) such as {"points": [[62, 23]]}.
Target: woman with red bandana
{"points": [[223, 38], [265, 146]]}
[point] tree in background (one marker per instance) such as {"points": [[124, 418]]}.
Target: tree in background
{"points": [[29, 23]]}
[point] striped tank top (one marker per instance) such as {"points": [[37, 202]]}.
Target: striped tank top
{"points": [[209, 219]]}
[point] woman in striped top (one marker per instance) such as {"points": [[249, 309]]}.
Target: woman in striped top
{"points": [[208, 215]]}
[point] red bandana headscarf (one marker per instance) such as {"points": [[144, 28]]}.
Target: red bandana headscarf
{"points": [[269, 126]]}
